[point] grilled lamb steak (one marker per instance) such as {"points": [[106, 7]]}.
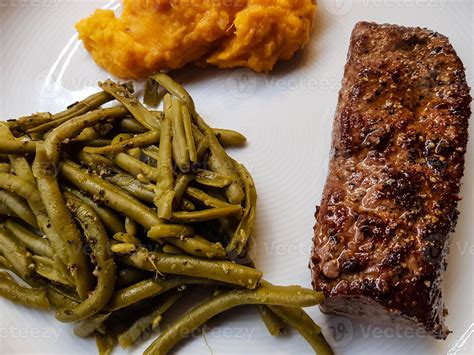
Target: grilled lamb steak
{"points": [[389, 204]]}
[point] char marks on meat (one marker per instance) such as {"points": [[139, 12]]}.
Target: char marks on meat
{"points": [[389, 205]]}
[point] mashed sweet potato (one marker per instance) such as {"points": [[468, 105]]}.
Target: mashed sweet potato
{"points": [[153, 35]]}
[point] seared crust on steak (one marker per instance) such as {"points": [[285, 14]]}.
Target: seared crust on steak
{"points": [[389, 204]]}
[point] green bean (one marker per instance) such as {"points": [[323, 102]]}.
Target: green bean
{"points": [[134, 293], [179, 141], [188, 130], [292, 296], [33, 242], [175, 89], [105, 265], [152, 152], [31, 297], [35, 136], [62, 221], [112, 222], [131, 125], [127, 276], [99, 142], [171, 249], [5, 132], [202, 148], [200, 247], [170, 230], [109, 171], [244, 229], [206, 199], [181, 184], [56, 295], [188, 206], [151, 320], [17, 147], [150, 288], [212, 179], [99, 130], [158, 114], [5, 167], [74, 126], [136, 153], [225, 136], [5, 264], [219, 270], [141, 140], [273, 323], [127, 238], [151, 97], [206, 215], [121, 137], [97, 163], [19, 207], [20, 187], [302, 322], [5, 211], [21, 167], [165, 192], [32, 281], [131, 226], [123, 248], [229, 137], [105, 343], [16, 254], [119, 176], [126, 98], [22, 124], [299, 319], [136, 167], [109, 194], [49, 269], [67, 293], [132, 186], [80, 108], [28, 192], [114, 197], [90, 325], [220, 162], [59, 299], [89, 133]]}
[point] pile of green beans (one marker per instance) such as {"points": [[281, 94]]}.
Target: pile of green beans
{"points": [[111, 215]]}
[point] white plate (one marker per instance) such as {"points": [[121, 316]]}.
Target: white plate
{"points": [[287, 116]]}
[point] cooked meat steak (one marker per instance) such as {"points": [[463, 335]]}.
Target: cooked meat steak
{"points": [[389, 204]]}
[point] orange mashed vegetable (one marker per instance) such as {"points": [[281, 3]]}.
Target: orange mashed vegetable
{"points": [[154, 35]]}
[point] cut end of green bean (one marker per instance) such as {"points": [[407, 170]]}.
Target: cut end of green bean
{"points": [[228, 137]]}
